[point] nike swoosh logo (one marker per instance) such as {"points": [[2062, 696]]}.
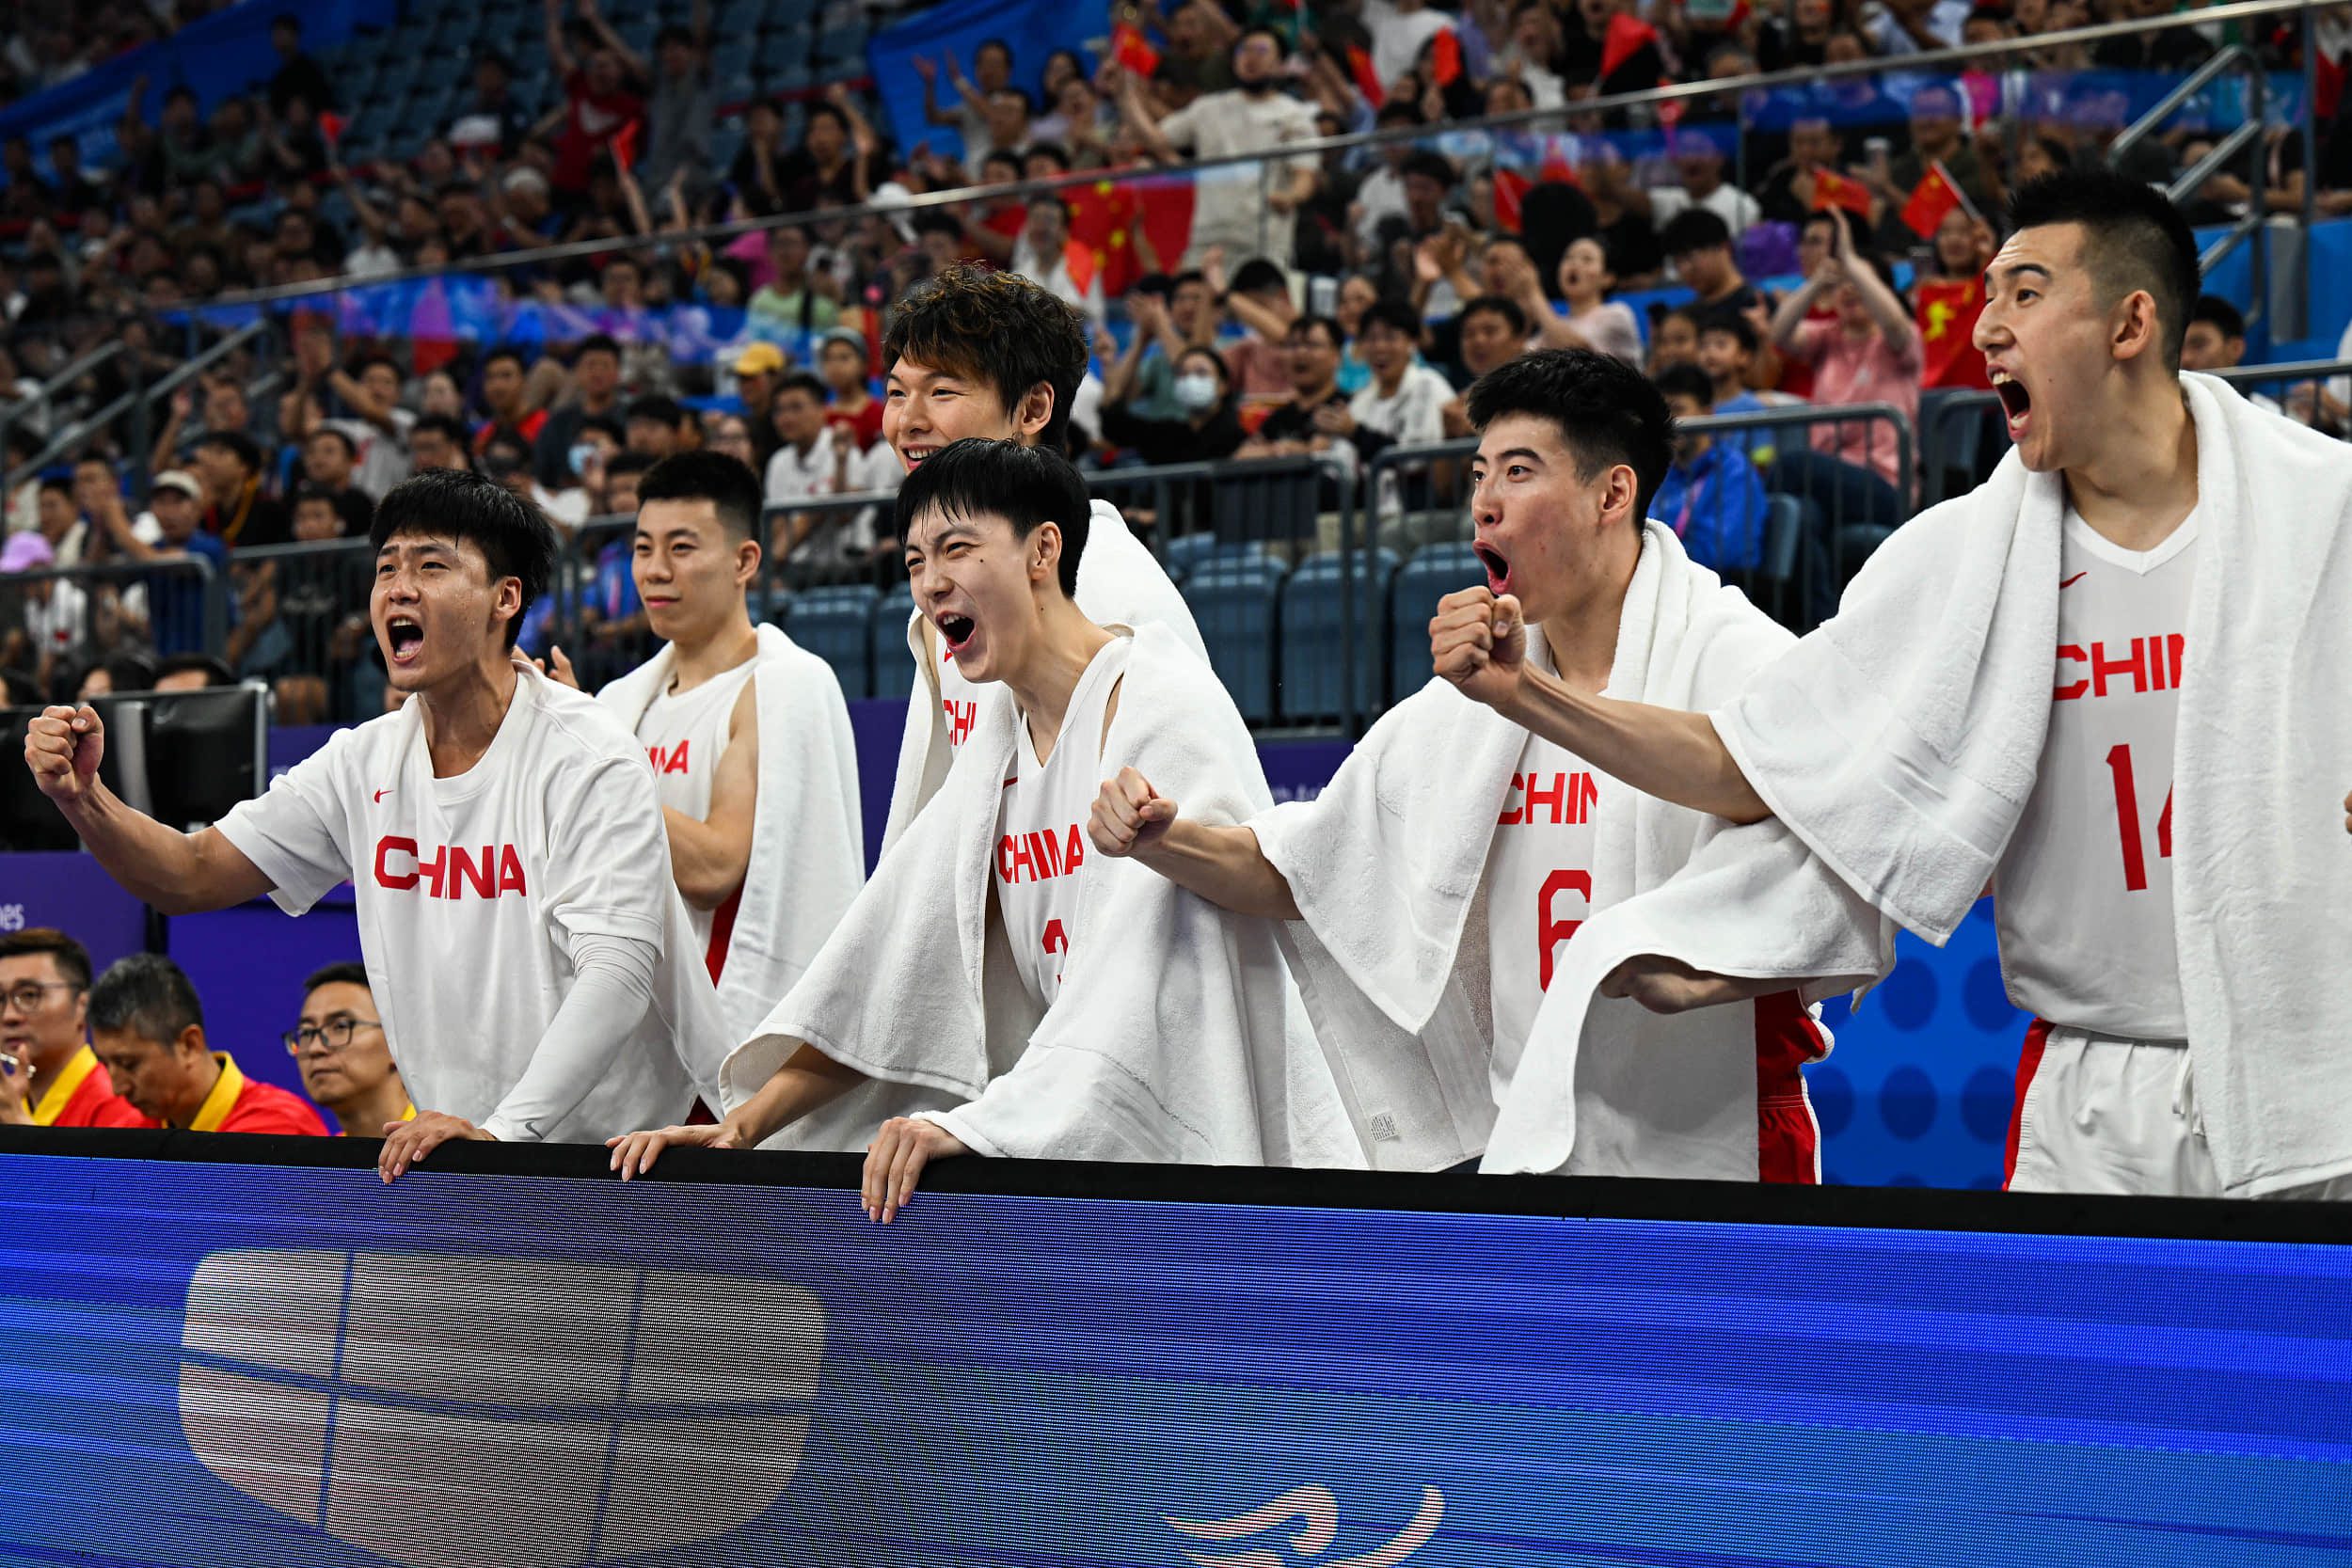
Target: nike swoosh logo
{"points": [[379, 796], [2065, 583]]}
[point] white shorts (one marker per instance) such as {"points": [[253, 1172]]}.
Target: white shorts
{"points": [[2095, 1114]]}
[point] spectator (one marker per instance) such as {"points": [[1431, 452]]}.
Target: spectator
{"points": [[1699, 243], [45, 1017], [1937, 122], [346, 1060], [1494, 332], [1728, 347], [149, 1029], [491, 122], [595, 394], [1814, 145], [2217, 341], [299, 77], [1169, 317], [793, 299], [1382, 195], [1312, 345], [992, 69], [1004, 120], [1948, 297], [757, 175], [757, 371], [1209, 425], [507, 459], [828, 169], [192, 672], [729, 435], [1917, 27], [850, 402], [1260, 299], [1246, 210], [328, 459], [1674, 339], [440, 441], [654, 427], [599, 96], [1712, 496], [1048, 256], [1698, 162], [1404, 404], [1870, 354], [235, 511], [808, 462], [506, 398], [55, 611], [681, 108], [1592, 319]]}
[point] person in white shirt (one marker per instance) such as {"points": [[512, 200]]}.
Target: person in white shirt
{"points": [[516, 911], [1404, 403], [975, 353], [1399, 28], [1248, 209], [819, 457], [1047, 255], [1116, 1017]]}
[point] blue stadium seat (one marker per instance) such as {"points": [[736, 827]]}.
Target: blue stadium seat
{"points": [[1234, 603], [835, 624], [894, 664], [737, 21], [1315, 615], [838, 46], [779, 52], [1434, 571]]}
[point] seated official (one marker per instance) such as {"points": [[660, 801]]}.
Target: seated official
{"points": [[345, 1059], [49, 1077], [149, 1027]]}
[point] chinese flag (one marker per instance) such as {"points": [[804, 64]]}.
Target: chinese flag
{"points": [[1099, 215], [1623, 40], [1931, 199], [1511, 188], [1445, 58], [623, 145], [330, 128], [1133, 51], [1832, 189], [1947, 310], [1166, 206], [1367, 79]]}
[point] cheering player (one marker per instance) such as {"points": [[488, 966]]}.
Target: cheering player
{"points": [[2149, 818], [989, 355], [1054, 1003], [516, 914]]}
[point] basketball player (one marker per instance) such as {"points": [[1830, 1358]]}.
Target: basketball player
{"points": [[516, 914], [748, 736], [1454, 853], [978, 354], [1065, 1006], [2184, 1046]]}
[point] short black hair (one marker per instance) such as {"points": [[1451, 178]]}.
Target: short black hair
{"points": [[1027, 486], [1329, 328], [1495, 305], [343, 435], [70, 957], [145, 996], [629, 462], [370, 360], [1436, 165], [597, 342], [1693, 228], [1607, 412], [1258, 276], [1732, 322], [995, 327], [214, 669], [726, 483], [1689, 380], [344, 974], [2134, 238], [236, 442], [1391, 311], [512, 535], [502, 352], [662, 410], [446, 425], [801, 381], [2218, 312], [1052, 150]]}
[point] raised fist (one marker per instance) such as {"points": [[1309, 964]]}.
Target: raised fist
{"points": [[1479, 642], [1129, 815], [62, 748]]}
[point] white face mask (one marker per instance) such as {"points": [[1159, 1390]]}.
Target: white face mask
{"points": [[1196, 393]]}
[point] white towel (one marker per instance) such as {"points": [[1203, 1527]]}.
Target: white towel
{"points": [[1119, 583], [1400, 1000], [1176, 1035], [1900, 741], [808, 842]]}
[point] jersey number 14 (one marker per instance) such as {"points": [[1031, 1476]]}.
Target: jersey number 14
{"points": [[2127, 820]]}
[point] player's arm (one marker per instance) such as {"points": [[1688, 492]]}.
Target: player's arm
{"points": [[1478, 642], [712, 856], [173, 872], [1222, 865], [807, 1081]]}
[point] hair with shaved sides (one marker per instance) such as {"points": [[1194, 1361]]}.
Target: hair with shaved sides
{"points": [[2134, 238], [726, 483], [1026, 486], [512, 535], [1606, 413]]}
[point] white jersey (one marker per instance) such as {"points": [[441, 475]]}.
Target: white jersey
{"points": [[2084, 891], [1539, 881], [684, 734], [1040, 828], [471, 889]]}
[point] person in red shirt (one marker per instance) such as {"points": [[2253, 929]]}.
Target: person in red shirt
{"points": [[149, 1027], [45, 1003], [841, 363], [600, 97], [506, 394]]}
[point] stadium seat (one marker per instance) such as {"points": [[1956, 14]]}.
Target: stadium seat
{"points": [[894, 664], [1188, 552], [838, 46], [737, 20], [1234, 603], [1434, 571], [835, 624], [780, 52], [1317, 613]]}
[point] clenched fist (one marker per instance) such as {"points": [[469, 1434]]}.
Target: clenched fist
{"points": [[62, 748], [1479, 642], [1129, 815]]}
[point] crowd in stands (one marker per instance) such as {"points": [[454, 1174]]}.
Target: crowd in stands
{"points": [[128, 1048], [1820, 244]]}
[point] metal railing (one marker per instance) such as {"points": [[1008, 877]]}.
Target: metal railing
{"points": [[2247, 139], [86, 613], [135, 403], [44, 396]]}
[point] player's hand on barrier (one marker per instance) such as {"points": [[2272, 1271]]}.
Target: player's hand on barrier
{"points": [[1129, 815], [1668, 986], [894, 1160], [634, 1153], [63, 746], [1479, 642], [407, 1142]]}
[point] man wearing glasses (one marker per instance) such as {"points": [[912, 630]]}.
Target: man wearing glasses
{"points": [[49, 1076], [347, 1062]]}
